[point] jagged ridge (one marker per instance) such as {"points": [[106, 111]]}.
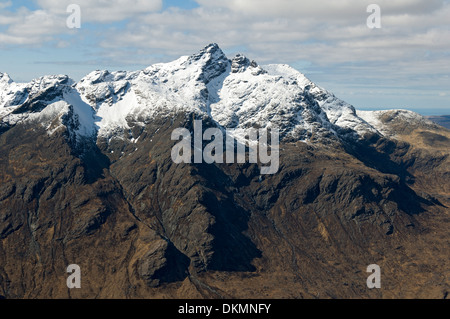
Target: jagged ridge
{"points": [[236, 93]]}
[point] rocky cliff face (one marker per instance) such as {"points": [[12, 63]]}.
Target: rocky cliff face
{"points": [[86, 178]]}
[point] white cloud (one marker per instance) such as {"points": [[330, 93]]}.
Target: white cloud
{"points": [[101, 10], [333, 10], [34, 27], [37, 23], [292, 32], [25, 27], [5, 4]]}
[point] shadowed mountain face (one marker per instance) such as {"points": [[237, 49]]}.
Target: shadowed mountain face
{"points": [[358, 189]]}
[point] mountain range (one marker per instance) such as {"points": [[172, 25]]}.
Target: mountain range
{"points": [[86, 178]]}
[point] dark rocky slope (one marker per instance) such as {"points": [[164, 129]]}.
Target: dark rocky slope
{"points": [[140, 226]]}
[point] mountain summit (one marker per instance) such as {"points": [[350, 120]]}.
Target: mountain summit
{"points": [[235, 93], [87, 179]]}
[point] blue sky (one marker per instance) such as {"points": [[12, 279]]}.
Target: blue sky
{"points": [[184, 4], [404, 64]]}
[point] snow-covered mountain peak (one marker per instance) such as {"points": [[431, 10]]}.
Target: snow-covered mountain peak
{"points": [[211, 62], [99, 87], [45, 83], [101, 76], [49, 101], [241, 63], [32, 97], [237, 93], [212, 53], [288, 72], [5, 79], [390, 122], [6, 94]]}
